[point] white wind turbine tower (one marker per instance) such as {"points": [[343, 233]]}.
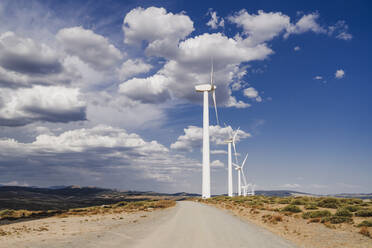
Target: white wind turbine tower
{"points": [[240, 171], [230, 141], [206, 178]]}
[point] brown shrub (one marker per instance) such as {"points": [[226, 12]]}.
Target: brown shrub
{"points": [[314, 220], [364, 231]]}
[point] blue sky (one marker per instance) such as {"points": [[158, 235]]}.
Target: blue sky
{"points": [[101, 93]]}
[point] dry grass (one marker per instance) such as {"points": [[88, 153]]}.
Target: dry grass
{"points": [[308, 221], [10, 215]]}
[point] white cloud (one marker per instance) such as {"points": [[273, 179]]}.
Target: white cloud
{"points": [[192, 67], [193, 137], [261, 27], [215, 21], [133, 67], [160, 29], [339, 74], [92, 48], [318, 77], [118, 110], [305, 24], [297, 48], [146, 90], [344, 36], [24, 55], [340, 30], [39, 103], [217, 163], [25, 62], [218, 152], [97, 150], [252, 93], [232, 102]]}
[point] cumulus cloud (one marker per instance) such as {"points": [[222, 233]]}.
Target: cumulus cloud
{"points": [[232, 102], [305, 24], [25, 62], [146, 90], [24, 55], [40, 103], [252, 93], [133, 67], [261, 27], [297, 48], [192, 66], [193, 136], [92, 48], [318, 77], [94, 151], [215, 21], [160, 29], [339, 74]]}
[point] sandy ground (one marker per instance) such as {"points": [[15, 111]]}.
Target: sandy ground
{"points": [[108, 230], [303, 233], [189, 224]]}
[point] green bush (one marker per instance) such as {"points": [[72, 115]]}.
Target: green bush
{"points": [[6, 212], [285, 200], [316, 214], [352, 208], [366, 223], [298, 202], [291, 208], [364, 213], [311, 207], [343, 212], [340, 219], [329, 203]]}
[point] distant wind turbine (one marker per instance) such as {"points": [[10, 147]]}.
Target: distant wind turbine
{"points": [[240, 171], [206, 178], [230, 141]]}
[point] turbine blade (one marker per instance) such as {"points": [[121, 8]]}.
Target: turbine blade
{"points": [[236, 156], [244, 179], [215, 105], [244, 160], [236, 132], [212, 73]]}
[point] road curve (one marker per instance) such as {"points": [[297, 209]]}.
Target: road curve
{"points": [[196, 225]]}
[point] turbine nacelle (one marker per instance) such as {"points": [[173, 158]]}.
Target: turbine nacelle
{"points": [[205, 87]]}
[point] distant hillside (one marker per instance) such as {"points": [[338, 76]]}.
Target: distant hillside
{"points": [[354, 195], [66, 197], [280, 193]]}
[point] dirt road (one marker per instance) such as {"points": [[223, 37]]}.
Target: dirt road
{"points": [[189, 224], [196, 225]]}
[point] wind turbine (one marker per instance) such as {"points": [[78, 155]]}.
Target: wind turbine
{"points": [[240, 171], [230, 141], [206, 178]]}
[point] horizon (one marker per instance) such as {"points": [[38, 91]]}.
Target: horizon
{"points": [[102, 93], [53, 187]]}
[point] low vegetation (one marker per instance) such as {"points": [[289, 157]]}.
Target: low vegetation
{"points": [[292, 209], [330, 211], [123, 206]]}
